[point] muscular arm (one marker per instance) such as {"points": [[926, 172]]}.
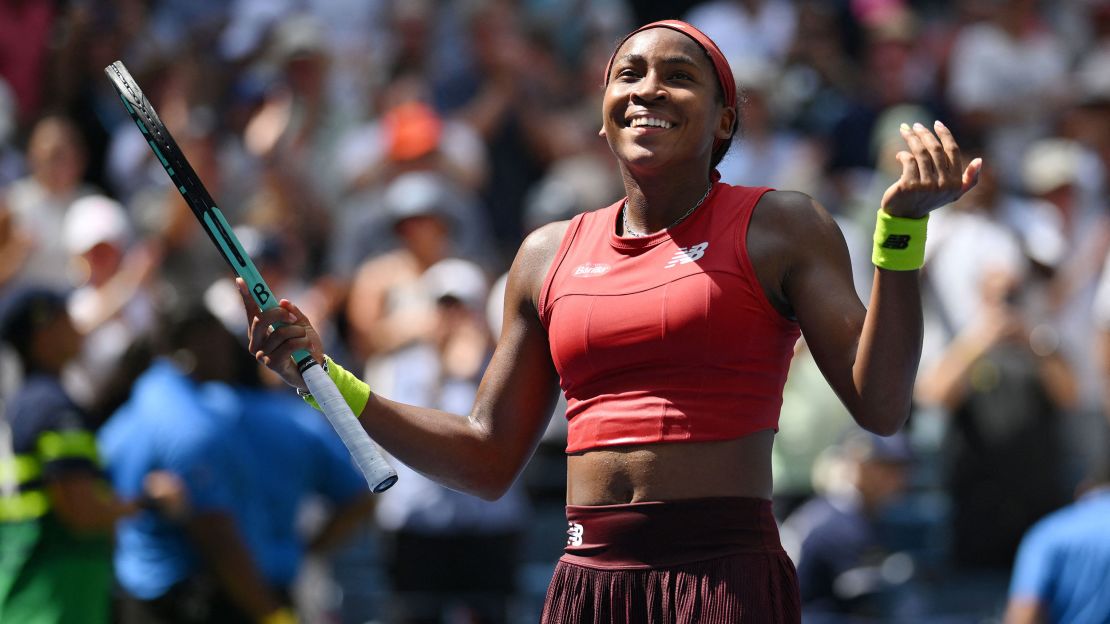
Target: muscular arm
{"points": [[869, 356], [483, 452]]}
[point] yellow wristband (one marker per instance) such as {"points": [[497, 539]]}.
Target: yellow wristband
{"points": [[355, 391], [899, 242]]}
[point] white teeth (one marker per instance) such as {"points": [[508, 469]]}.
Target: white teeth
{"points": [[650, 121]]}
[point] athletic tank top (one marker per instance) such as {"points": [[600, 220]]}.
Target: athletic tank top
{"points": [[668, 337]]}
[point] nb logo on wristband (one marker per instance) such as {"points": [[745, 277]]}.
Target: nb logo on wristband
{"points": [[896, 241]]}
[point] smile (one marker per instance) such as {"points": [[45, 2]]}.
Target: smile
{"points": [[650, 122]]}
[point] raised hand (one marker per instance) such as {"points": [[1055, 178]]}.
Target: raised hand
{"points": [[275, 347], [933, 174]]}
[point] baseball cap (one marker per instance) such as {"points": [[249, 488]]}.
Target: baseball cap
{"points": [[418, 194], [1050, 164], [92, 220], [297, 36], [455, 278]]}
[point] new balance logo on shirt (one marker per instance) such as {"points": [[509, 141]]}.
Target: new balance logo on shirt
{"points": [[686, 255]]}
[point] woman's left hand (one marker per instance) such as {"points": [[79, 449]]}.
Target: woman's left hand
{"points": [[932, 173]]}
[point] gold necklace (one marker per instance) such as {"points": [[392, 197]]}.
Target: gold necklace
{"points": [[634, 234]]}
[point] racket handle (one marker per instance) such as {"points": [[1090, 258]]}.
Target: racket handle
{"points": [[373, 465]]}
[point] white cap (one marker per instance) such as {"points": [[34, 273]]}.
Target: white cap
{"points": [[418, 193], [92, 220], [1050, 164], [459, 279], [297, 35]]}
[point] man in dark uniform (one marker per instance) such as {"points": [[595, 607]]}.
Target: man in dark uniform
{"points": [[56, 510]]}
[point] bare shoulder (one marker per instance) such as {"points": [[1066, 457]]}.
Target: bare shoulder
{"points": [[544, 241], [534, 258], [792, 225], [789, 230], [792, 211]]}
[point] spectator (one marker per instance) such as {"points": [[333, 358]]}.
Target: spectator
{"points": [[1005, 385], [56, 512], [386, 310], [748, 30], [768, 154], [411, 141], [966, 242], [511, 106], [411, 136], [1064, 561], [201, 570], [293, 458], [38, 204], [1066, 233], [1008, 77], [112, 305], [834, 539]]}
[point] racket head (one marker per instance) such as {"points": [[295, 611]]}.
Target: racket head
{"points": [[187, 182]]}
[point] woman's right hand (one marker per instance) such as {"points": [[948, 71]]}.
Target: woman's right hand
{"points": [[275, 347]]}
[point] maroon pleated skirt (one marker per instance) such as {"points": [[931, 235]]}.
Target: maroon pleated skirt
{"points": [[705, 561]]}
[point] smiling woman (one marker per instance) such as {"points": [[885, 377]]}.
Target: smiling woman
{"points": [[668, 319]]}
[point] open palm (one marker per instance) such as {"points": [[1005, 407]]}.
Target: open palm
{"points": [[932, 172]]}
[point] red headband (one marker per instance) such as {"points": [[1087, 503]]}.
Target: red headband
{"points": [[720, 64]]}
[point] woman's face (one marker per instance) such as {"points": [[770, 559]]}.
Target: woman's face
{"points": [[662, 105]]}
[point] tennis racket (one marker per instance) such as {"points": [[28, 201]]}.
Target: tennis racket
{"points": [[379, 474]]}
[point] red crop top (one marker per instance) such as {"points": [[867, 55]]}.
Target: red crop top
{"points": [[669, 337]]}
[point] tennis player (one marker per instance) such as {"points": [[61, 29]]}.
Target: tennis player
{"points": [[669, 319]]}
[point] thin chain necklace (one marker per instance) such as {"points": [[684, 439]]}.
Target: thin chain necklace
{"points": [[628, 231]]}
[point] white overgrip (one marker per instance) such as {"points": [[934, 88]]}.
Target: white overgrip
{"points": [[377, 471]]}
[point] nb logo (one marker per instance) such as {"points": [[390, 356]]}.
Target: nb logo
{"points": [[896, 241], [261, 294], [686, 255], [574, 534]]}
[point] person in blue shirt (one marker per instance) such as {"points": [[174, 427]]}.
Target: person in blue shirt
{"points": [[1063, 563], [289, 453], [200, 570]]}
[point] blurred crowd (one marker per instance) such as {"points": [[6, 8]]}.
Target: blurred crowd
{"points": [[382, 160]]}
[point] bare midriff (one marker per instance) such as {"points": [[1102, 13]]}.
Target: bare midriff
{"points": [[671, 471]]}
